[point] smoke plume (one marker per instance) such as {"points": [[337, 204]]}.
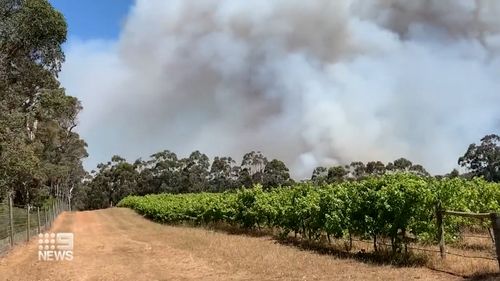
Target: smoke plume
{"points": [[315, 82]]}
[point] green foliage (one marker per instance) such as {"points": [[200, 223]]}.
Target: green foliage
{"points": [[385, 206], [40, 155], [166, 173], [276, 174], [319, 175], [484, 159], [336, 174]]}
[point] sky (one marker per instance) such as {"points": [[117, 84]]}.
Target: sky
{"points": [[94, 19], [95, 23], [312, 83]]}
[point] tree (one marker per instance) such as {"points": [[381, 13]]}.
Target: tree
{"points": [[402, 164], [419, 170], [319, 175], [254, 163], [20, 171], [123, 180], [453, 174], [112, 182], [194, 172], [276, 174], [244, 178], [42, 154], [483, 159], [375, 168], [336, 174], [62, 148], [405, 165], [358, 170], [32, 32], [222, 175], [161, 173]]}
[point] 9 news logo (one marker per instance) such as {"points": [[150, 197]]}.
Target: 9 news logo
{"points": [[55, 246]]}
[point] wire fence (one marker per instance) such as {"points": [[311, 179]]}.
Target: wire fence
{"points": [[489, 242], [18, 223]]}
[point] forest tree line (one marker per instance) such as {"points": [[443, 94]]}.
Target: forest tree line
{"points": [[165, 172]]}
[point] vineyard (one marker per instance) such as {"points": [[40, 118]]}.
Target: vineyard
{"points": [[391, 207]]}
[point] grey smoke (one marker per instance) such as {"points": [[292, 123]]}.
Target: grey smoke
{"points": [[315, 82]]}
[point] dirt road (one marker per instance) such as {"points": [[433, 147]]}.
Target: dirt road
{"points": [[117, 244]]}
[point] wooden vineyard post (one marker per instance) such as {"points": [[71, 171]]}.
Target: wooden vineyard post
{"points": [[495, 222], [440, 230]]}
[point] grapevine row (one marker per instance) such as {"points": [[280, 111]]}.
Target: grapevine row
{"points": [[390, 206]]}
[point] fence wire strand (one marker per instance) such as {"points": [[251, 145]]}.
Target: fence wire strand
{"points": [[40, 219]]}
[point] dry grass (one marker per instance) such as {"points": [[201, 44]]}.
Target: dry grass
{"points": [[262, 258], [473, 257]]}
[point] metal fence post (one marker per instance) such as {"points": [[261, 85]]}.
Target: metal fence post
{"points": [[38, 216], [11, 220], [49, 215], [28, 223], [46, 219]]}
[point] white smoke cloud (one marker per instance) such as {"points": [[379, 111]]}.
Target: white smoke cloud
{"points": [[309, 82]]}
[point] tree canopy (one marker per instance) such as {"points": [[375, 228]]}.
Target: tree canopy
{"points": [[40, 154], [165, 172], [483, 159]]}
